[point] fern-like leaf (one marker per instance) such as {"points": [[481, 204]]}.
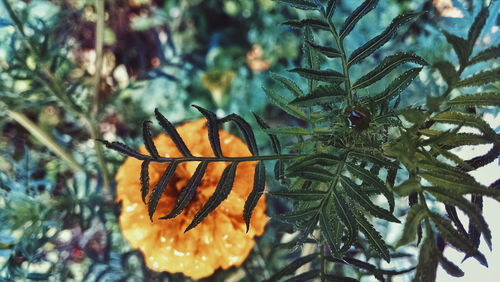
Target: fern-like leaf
{"points": [[289, 84], [373, 236], [148, 140], [213, 130], [124, 149], [485, 55], [160, 188], [396, 87], [280, 102], [321, 75], [378, 41], [460, 46], [485, 99], [292, 267], [327, 51], [257, 191], [384, 68], [300, 195], [300, 4], [246, 130], [221, 192], [172, 132], [313, 23], [357, 194], [188, 192], [479, 79], [416, 214], [353, 18], [144, 180]]}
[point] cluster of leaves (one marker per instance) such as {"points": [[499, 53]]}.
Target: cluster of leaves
{"points": [[346, 155]]}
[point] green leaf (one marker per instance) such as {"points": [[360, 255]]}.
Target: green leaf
{"points": [[345, 214], [313, 23], [448, 72], [330, 8], [280, 102], [450, 267], [384, 68], [416, 214], [300, 195], [353, 18], [188, 192], [460, 46], [408, 187], [336, 278], [310, 54], [479, 79], [467, 120], [148, 141], [373, 180], [172, 132], [473, 212], [373, 237], [292, 267], [485, 55], [427, 261], [314, 99], [144, 180], [378, 41], [396, 87], [246, 130], [323, 159], [327, 51], [452, 157], [221, 192], [160, 188], [356, 193], [477, 26], [300, 215], [414, 116], [259, 184], [457, 139], [275, 143], [213, 130], [124, 149], [312, 173], [456, 238], [373, 158], [331, 228], [300, 4], [484, 99], [289, 84], [321, 75], [293, 131]]}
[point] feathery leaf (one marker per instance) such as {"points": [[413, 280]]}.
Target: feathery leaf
{"points": [[148, 141], [160, 188], [379, 40], [221, 192], [259, 184], [246, 130], [300, 4], [416, 214], [356, 193], [280, 102], [460, 46], [385, 67], [373, 237], [213, 130], [327, 51], [172, 132], [353, 18], [290, 269], [485, 55], [289, 84], [144, 180], [300, 195], [188, 192], [396, 87], [481, 78], [321, 75], [124, 149], [313, 23], [484, 99]]}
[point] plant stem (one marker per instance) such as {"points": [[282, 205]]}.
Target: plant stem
{"points": [[323, 263], [99, 41], [56, 87], [44, 138], [343, 58], [222, 159]]}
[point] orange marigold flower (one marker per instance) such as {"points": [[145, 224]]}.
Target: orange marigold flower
{"points": [[220, 240]]}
